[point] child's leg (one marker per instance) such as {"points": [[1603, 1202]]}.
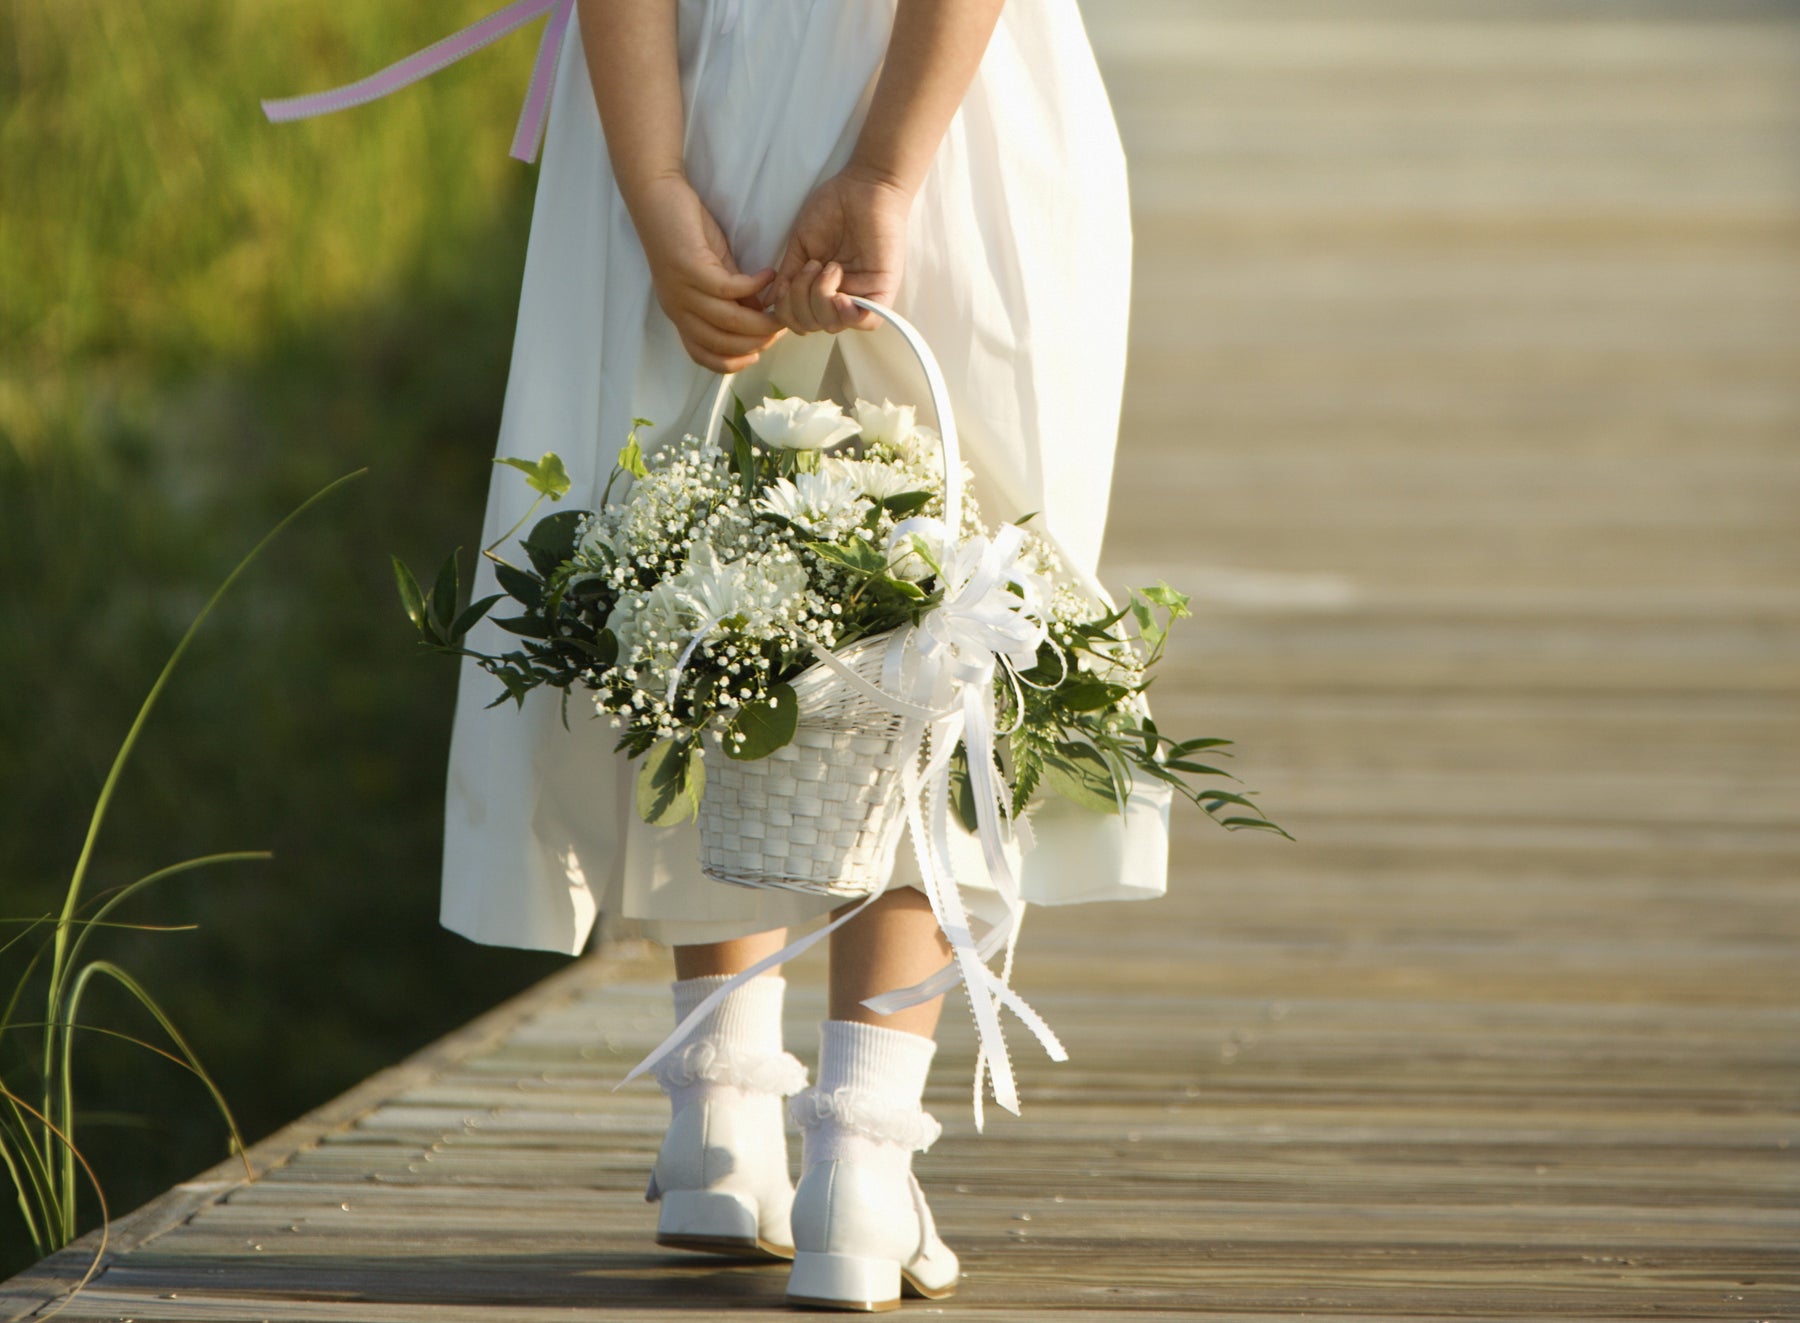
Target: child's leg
{"points": [[893, 944], [722, 1174], [714, 958], [861, 1225]]}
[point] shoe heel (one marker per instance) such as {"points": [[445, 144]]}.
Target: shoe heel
{"points": [[711, 1221], [844, 1281]]}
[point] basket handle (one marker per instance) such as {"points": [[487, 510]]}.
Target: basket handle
{"points": [[940, 405]]}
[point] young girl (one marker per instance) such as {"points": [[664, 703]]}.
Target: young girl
{"points": [[718, 175]]}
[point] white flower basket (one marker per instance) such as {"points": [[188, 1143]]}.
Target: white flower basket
{"points": [[823, 813]]}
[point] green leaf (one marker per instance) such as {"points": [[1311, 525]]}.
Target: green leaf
{"points": [[444, 594], [547, 476], [472, 613], [1027, 745], [670, 783], [746, 463], [411, 597], [1148, 625], [552, 540], [1192, 746], [631, 457], [962, 790], [863, 557], [526, 626], [524, 588], [1176, 604], [1195, 769], [1079, 774], [765, 726], [905, 503], [1211, 799], [1260, 824], [1086, 694]]}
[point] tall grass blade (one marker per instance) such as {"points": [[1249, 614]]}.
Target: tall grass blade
{"points": [[93, 1180]]}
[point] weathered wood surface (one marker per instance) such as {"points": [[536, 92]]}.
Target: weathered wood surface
{"points": [[1464, 393]]}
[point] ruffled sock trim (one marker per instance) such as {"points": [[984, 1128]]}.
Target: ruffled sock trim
{"points": [[710, 1062], [910, 1128]]}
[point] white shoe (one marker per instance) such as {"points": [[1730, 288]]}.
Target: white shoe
{"points": [[862, 1238], [721, 1175], [863, 1233]]}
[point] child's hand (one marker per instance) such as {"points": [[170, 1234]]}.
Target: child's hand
{"points": [[713, 305], [850, 238]]}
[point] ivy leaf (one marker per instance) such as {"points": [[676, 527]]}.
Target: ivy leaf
{"points": [[631, 456], [670, 783], [1148, 625], [547, 476], [552, 541], [765, 725], [1176, 604]]}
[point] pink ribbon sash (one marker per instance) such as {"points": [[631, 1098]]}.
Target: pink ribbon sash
{"points": [[444, 53]]}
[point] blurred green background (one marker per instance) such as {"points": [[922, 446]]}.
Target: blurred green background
{"points": [[203, 319]]}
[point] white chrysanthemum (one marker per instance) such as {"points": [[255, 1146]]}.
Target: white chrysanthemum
{"points": [[874, 479], [824, 504], [797, 424], [748, 593], [887, 422]]}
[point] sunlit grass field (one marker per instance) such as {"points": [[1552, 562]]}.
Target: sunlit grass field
{"points": [[203, 319]]}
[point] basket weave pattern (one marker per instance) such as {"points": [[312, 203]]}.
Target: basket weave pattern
{"points": [[820, 813]]}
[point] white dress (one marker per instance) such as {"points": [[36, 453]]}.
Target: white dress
{"points": [[1017, 270]]}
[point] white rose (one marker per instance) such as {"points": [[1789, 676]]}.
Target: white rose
{"points": [[887, 421], [919, 548], [797, 424]]}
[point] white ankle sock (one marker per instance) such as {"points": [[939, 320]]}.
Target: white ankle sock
{"points": [[865, 1106], [737, 1045]]}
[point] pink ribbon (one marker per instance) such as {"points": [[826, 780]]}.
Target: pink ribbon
{"points": [[443, 54]]}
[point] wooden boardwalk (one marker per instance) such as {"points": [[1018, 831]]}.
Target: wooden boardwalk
{"points": [[1465, 393]]}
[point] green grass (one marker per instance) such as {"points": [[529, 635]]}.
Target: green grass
{"points": [[203, 318]]}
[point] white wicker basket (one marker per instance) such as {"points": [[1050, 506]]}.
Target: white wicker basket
{"points": [[822, 813]]}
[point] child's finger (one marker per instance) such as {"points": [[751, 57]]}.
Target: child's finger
{"points": [[723, 342], [723, 283], [854, 318], [822, 297], [736, 318], [796, 310]]}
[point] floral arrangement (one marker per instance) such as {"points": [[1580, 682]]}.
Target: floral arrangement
{"points": [[687, 609]]}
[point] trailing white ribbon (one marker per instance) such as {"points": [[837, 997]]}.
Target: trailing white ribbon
{"points": [[944, 672]]}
